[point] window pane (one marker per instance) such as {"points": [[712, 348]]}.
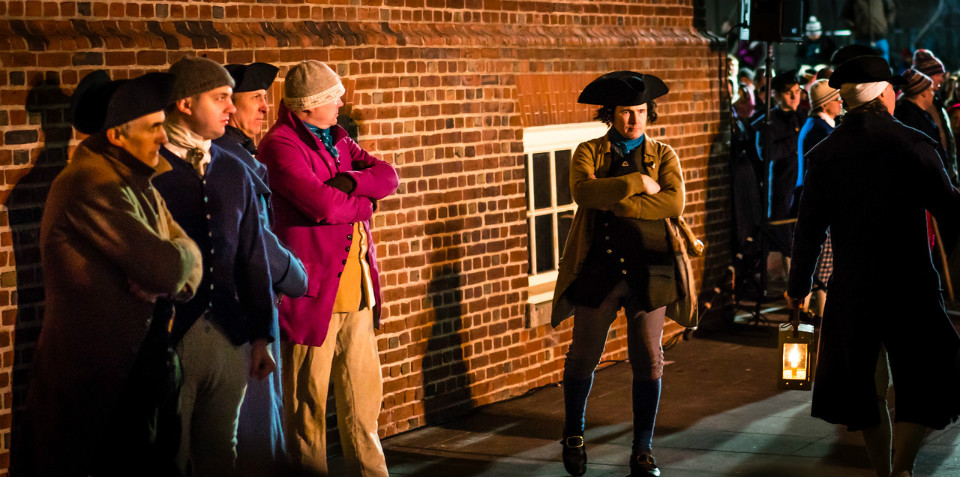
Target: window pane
{"points": [[563, 177], [530, 241], [541, 180], [564, 221], [544, 227]]}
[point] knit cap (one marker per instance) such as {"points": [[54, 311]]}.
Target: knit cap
{"points": [[196, 75], [311, 84], [917, 82], [926, 63], [813, 25], [821, 93]]}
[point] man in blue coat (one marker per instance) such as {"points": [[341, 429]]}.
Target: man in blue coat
{"points": [[871, 182], [260, 441], [224, 332]]}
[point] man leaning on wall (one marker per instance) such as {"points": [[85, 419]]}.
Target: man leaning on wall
{"points": [[326, 190], [260, 442], [109, 249]]}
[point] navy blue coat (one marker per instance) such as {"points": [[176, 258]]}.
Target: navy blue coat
{"points": [[813, 131], [781, 177], [219, 212], [286, 270]]}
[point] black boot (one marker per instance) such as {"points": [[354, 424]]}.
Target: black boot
{"points": [[574, 455], [643, 465]]}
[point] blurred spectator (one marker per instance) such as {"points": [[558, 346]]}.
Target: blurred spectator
{"points": [[825, 107], [816, 47], [746, 101], [777, 146], [750, 53], [925, 62], [869, 20]]}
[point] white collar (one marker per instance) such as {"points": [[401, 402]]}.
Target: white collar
{"points": [[182, 140]]}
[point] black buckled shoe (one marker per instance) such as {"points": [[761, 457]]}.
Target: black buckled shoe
{"points": [[574, 455], [643, 465]]}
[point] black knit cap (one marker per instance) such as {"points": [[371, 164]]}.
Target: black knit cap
{"points": [[252, 77], [864, 69], [623, 88], [99, 104]]}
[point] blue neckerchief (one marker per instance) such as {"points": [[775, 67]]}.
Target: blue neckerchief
{"points": [[325, 137], [623, 145]]}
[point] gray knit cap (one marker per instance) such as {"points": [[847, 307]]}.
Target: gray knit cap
{"points": [[198, 75], [311, 84]]}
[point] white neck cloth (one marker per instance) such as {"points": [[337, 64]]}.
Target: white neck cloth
{"points": [[856, 94]]}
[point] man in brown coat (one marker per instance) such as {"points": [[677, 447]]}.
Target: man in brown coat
{"points": [[109, 250]]}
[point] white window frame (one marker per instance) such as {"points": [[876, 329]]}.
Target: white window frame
{"points": [[550, 139]]}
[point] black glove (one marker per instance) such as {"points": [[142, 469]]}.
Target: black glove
{"points": [[342, 182]]}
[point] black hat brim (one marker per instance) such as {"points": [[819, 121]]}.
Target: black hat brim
{"points": [[864, 69], [252, 77], [138, 97], [99, 104], [623, 88], [88, 105]]}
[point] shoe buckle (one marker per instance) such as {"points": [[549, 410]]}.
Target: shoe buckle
{"points": [[573, 441]]}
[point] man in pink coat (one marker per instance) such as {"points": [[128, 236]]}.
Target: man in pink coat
{"points": [[326, 189]]}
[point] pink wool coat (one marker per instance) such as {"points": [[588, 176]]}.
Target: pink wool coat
{"points": [[315, 220]]}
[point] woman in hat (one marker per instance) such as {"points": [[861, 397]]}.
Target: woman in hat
{"points": [[825, 106], [618, 256]]}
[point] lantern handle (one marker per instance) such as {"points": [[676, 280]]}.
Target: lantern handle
{"points": [[795, 321]]}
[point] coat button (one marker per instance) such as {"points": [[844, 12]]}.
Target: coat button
{"points": [[347, 248], [344, 261], [621, 260], [349, 236], [623, 272], [339, 274], [609, 251]]}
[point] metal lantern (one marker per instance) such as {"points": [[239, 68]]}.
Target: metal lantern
{"points": [[796, 346]]}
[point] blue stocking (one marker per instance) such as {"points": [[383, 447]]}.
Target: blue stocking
{"points": [[646, 399], [575, 392]]}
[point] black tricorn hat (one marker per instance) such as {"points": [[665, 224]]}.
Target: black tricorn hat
{"points": [[99, 104], [252, 77], [850, 52], [623, 88], [864, 69]]}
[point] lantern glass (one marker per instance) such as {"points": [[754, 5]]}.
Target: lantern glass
{"points": [[795, 360], [796, 344]]}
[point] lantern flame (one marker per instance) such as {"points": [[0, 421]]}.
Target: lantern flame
{"points": [[794, 357]]}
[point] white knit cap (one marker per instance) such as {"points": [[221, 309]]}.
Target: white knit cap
{"points": [[311, 84], [821, 93], [813, 25], [856, 94]]}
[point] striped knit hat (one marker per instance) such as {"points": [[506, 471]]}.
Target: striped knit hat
{"points": [[311, 84], [821, 93], [926, 63], [917, 82]]}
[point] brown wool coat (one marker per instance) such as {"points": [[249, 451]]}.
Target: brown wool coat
{"points": [[103, 226], [623, 195]]}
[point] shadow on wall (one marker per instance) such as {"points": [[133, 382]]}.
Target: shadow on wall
{"points": [[446, 387], [25, 209]]}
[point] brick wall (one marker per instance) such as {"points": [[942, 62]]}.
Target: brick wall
{"points": [[432, 88]]}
